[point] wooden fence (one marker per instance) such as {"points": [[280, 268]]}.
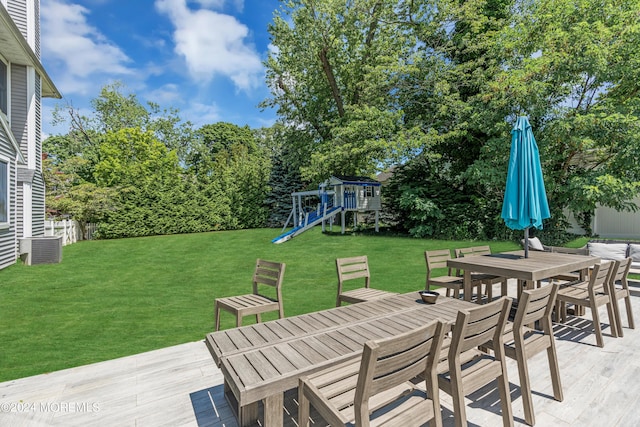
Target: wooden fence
{"points": [[68, 229]]}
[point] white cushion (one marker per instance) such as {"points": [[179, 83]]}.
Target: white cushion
{"points": [[609, 251], [536, 244], [634, 253]]}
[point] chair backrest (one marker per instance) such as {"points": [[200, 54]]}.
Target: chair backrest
{"points": [[620, 271], [471, 251], [599, 278], [352, 268], [268, 273], [480, 326], [535, 305], [437, 259], [474, 250], [391, 361]]}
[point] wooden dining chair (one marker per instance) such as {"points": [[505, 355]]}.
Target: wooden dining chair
{"points": [[437, 259], [267, 273], [619, 289], [523, 340], [486, 279], [467, 368], [376, 388], [593, 294], [356, 268]]}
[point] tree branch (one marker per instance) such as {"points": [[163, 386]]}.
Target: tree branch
{"points": [[328, 71]]}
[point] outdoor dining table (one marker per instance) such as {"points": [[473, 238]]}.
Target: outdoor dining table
{"points": [[513, 265], [262, 361]]}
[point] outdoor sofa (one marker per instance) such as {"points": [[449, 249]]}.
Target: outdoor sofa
{"points": [[604, 249]]}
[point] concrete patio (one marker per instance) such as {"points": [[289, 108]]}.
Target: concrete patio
{"points": [[181, 386]]}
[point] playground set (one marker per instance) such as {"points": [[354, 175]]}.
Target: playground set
{"points": [[337, 195]]}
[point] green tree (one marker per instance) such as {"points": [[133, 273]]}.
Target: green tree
{"points": [[278, 141], [114, 110], [332, 75], [132, 157], [231, 165], [566, 64]]}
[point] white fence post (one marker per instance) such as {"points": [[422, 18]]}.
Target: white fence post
{"points": [[68, 229]]}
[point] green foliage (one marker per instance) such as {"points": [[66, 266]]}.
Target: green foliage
{"points": [[138, 171], [132, 157], [429, 204], [330, 76]]}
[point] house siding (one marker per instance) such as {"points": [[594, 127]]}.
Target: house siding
{"points": [[38, 179], [19, 128], [36, 11], [23, 145], [18, 11], [8, 249]]}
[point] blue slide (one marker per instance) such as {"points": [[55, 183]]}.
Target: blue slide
{"points": [[314, 219]]}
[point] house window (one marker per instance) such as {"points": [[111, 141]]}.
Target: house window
{"points": [[368, 192], [4, 192], [3, 87]]}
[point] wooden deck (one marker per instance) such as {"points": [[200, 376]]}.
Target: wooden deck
{"points": [[181, 386]]}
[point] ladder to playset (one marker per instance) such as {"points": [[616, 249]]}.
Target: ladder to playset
{"points": [[325, 211]]}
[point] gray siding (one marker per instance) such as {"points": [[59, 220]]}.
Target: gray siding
{"points": [[38, 206], [8, 247], [36, 9], [38, 180], [18, 11], [19, 128], [19, 105]]}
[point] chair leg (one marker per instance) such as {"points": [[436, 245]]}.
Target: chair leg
{"points": [[503, 288], [613, 319], [627, 302], [459, 410], [217, 315], [489, 292], [552, 356], [505, 397], [561, 311], [618, 316], [238, 320], [596, 324], [525, 384], [303, 407]]}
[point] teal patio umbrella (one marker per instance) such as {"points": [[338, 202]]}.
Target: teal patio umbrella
{"points": [[525, 200]]}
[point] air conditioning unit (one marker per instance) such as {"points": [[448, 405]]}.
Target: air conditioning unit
{"points": [[41, 250]]}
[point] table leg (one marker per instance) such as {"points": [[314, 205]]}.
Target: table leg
{"points": [[247, 415], [467, 286], [529, 284], [273, 410]]}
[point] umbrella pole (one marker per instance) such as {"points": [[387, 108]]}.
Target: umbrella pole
{"points": [[526, 242]]}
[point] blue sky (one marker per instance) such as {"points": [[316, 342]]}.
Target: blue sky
{"points": [[203, 57]]}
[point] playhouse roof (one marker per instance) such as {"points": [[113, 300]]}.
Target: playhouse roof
{"points": [[357, 180]]}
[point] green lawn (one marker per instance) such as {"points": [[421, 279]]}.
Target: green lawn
{"points": [[115, 298]]}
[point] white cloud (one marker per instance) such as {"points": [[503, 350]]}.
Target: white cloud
{"points": [[201, 114], [68, 40], [213, 44], [167, 94]]}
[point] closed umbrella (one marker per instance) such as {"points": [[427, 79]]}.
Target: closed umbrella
{"points": [[525, 200]]}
